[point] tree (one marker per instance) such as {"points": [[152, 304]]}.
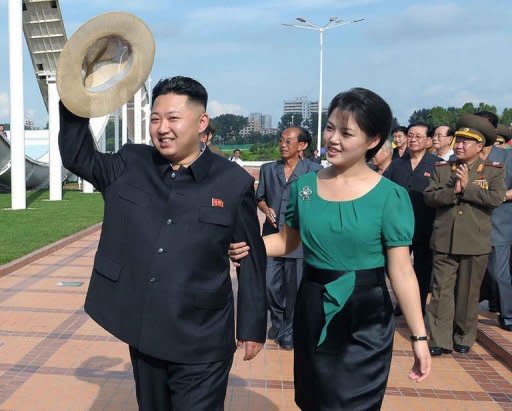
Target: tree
{"points": [[506, 117], [468, 108], [439, 116], [290, 119], [486, 107], [228, 125], [420, 115], [394, 123], [314, 122]]}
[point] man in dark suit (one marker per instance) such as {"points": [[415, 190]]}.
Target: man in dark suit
{"points": [[284, 273], [161, 279], [413, 171]]}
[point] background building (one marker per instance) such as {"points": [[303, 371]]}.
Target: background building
{"points": [[302, 105]]}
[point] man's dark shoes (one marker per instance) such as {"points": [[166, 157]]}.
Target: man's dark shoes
{"points": [[493, 308], [503, 326], [463, 349], [272, 333], [435, 351], [286, 343]]}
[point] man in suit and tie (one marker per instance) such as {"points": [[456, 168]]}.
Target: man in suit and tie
{"points": [[161, 279], [285, 273]]}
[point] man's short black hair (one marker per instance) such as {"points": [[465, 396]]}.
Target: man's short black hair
{"points": [[429, 128], [493, 118], [304, 136], [398, 129], [182, 86]]}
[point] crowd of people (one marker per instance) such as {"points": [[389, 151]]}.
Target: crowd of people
{"points": [[459, 183], [420, 214]]}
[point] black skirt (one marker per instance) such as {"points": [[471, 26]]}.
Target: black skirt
{"points": [[349, 370]]}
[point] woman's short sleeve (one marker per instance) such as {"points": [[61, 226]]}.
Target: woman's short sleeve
{"points": [[398, 218], [292, 212]]}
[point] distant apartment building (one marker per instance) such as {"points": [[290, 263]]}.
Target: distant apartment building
{"points": [[303, 106], [257, 123]]}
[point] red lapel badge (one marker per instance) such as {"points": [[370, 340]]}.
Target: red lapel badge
{"points": [[426, 174], [217, 202]]}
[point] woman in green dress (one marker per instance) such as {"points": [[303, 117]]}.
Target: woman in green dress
{"points": [[352, 222]]}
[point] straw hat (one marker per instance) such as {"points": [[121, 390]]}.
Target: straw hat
{"points": [[104, 63]]}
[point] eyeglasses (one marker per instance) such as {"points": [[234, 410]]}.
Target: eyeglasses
{"points": [[416, 136]]}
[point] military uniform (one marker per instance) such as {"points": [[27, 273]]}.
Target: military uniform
{"points": [[461, 241]]}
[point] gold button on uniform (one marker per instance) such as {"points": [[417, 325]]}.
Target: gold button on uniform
{"points": [[460, 212]]}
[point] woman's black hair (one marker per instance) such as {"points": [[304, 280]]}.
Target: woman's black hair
{"points": [[371, 113]]}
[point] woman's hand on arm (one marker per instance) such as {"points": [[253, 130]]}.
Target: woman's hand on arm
{"points": [[277, 245], [405, 287]]}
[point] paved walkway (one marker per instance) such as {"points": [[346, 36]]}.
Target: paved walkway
{"points": [[54, 357]]}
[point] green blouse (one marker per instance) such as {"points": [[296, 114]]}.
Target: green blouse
{"points": [[348, 235]]}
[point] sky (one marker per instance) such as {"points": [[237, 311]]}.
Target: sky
{"points": [[415, 54]]}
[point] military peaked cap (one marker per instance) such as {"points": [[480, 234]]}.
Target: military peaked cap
{"points": [[504, 131], [476, 128]]}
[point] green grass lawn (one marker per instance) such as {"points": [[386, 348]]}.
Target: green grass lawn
{"points": [[43, 222]]}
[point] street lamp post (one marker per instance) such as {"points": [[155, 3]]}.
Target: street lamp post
{"points": [[332, 23]]}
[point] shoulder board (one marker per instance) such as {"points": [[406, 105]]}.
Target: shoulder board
{"points": [[442, 163], [495, 164]]}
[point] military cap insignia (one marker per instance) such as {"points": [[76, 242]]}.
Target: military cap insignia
{"points": [[305, 193]]}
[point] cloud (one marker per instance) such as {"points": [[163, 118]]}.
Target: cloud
{"points": [[265, 12], [321, 4], [216, 108], [4, 105], [422, 23]]}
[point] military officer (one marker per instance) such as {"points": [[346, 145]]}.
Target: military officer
{"points": [[464, 192], [503, 136]]}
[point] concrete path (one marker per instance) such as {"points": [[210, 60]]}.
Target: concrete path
{"points": [[54, 357]]}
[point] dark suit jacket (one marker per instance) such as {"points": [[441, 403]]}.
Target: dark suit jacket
{"points": [[275, 190], [415, 182], [161, 279]]}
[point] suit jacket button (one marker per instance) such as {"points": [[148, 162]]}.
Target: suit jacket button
{"points": [[460, 213], [160, 250], [173, 175], [169, 221], [152, 280]]}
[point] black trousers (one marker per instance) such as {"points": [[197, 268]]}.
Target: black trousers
{"points": [[167, 386], [422, 263]]}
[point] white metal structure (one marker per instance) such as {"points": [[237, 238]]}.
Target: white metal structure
{"points": [[41, 21], [18, 189], [331, 24], [53, 131], [45, 36]]}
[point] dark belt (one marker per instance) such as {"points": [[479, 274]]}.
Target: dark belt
{"points": [[372, 276]]}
